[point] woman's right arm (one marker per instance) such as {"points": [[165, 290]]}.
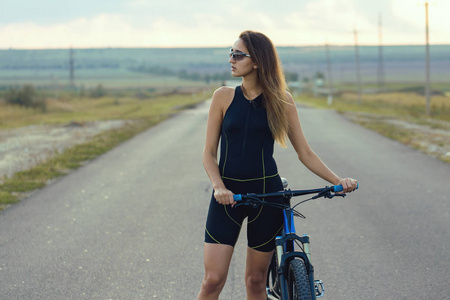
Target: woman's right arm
{"points": [[219, 104]]}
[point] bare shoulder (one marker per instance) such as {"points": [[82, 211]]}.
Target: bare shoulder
{"points": [[223, 97], [289, 98], [290, 102], [224, 92]]}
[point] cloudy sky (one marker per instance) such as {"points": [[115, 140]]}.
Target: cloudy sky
{"points": [[208, 23]]}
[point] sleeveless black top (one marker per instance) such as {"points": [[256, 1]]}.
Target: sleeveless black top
{"points": [[247, 144], [247, 166]]}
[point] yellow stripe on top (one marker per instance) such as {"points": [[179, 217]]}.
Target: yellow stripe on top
{"points": [[226, 153], [250, 179], [264, 187]]}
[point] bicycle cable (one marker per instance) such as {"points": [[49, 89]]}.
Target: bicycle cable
{"points": [[255, 202]]}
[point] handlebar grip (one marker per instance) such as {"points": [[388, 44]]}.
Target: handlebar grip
{"points": [[339, 188], [237, 197]]}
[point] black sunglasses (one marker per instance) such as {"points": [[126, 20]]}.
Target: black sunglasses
{"points": [[238, 55]]}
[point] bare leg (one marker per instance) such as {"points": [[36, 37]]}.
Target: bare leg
{"points": [[256, 273], [217, 262]]}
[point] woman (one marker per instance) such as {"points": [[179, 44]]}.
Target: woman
{"points": [[247, 120]]}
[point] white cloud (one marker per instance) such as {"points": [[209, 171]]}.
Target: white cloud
{"points": [[150, 24], [100, 31], [323, 21], [412, 15]]}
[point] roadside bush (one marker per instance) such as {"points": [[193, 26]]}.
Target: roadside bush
{"points": [[25, 96], [98, 92]]}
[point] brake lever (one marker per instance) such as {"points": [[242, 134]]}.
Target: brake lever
{"points": [[330, 195], [327, 194]]}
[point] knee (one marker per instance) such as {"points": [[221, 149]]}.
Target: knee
{"points": [[256, 282], [213, 283]]}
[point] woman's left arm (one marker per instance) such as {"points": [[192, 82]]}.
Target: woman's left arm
{"points": [[307, 156]]}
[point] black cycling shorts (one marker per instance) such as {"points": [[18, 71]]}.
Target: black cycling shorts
{"points": [[264, 223]]}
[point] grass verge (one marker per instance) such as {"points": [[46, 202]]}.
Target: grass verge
{"points": [[142, 115], [405, 106], [400, 117]]}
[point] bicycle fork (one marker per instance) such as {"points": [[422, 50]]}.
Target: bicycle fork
{"points": [[285, 253], [280, 283], [318, 286], [285, 257]]}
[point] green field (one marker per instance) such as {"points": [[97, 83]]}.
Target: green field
{"points": [[178, 67], [111, 78]]}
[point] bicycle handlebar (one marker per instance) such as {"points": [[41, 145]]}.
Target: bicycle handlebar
{"points": [[294, 193], [340, 188]]}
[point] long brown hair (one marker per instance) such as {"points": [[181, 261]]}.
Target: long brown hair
{"points": [[271, 77]]}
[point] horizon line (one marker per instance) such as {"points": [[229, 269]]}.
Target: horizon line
{"points": [[212, 47]]}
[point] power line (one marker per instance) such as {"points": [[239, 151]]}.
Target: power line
{"points": [[71, 69], [380, 73], [358, 73], [427, 60], [330, 79]]}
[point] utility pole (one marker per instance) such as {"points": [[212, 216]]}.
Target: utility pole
{"points": [[71, 67], [381, 79], [330, 81], [358, 74], [427, 64]]}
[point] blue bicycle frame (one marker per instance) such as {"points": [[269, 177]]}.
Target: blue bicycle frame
{"points": [[285, 253], [285, 243]]}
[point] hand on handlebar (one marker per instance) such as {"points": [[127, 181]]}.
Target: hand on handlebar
{"points": [[224, 196], [348, 184]]}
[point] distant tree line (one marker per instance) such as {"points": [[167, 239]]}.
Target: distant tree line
{"points": [[183, 74], [27, 96], [196, 76], [98, 92], [57, 65]]}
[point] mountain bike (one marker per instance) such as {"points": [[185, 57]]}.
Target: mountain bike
{"points": [[291, 274]]}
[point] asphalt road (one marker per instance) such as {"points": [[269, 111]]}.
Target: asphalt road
{"points": [[129, 225]]}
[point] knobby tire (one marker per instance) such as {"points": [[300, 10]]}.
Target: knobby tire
{"points": [[298, 281]]}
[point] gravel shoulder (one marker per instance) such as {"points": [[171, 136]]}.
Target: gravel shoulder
{"points": [[432, 138], [25, 147]]}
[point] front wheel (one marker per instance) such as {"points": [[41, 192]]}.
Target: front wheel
{"points": [[298, 281]]}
